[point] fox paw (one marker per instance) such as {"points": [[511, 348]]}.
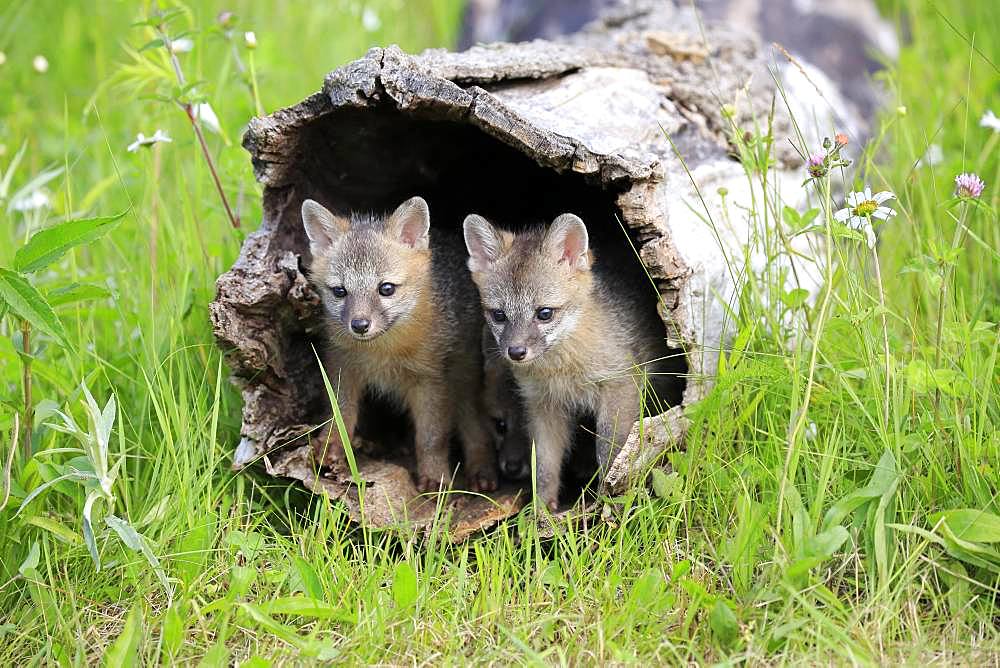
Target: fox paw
{"points": [[427, 484], [482, 482]]}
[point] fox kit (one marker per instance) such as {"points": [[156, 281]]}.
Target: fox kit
{"points": [[402, 321], [507, 420], [573, 338]]}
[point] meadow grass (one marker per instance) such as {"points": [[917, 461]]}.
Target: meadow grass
{"points": [[783, 535]]}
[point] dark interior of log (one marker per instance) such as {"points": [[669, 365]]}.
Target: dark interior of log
{"points": [[373, 159]]}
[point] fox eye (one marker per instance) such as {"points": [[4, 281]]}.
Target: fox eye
{"points": [[498, 315], [387, 289], [339, 291], [544, 313], [501, 425]]}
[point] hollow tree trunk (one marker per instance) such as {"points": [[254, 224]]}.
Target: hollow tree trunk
{"points": [[622, 122]]}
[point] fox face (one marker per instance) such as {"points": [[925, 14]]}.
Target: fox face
{"points": [[534, 286], [371, 272]]}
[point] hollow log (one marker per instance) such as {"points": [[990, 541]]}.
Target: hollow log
{"points": [[627, 124]]}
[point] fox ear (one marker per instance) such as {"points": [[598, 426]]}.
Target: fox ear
{"points": [[483, 241], [322, 227], [410, 223], [567, 241]]}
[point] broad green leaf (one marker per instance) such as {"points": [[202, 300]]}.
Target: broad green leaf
{"points": [[976, 554], [404, 585], [50, 244], [725, 627], [646, 590], [77, 292], [795, 298], [241, 578], [665, 485], [216, 657], [791, 217], [968, 524], [28, 304], [826, 543], [305, 607], [250, 543], [883, 479], [56, 528], [123, 653], [310, 581], [172, 632], [193, 549], [30, 562]]}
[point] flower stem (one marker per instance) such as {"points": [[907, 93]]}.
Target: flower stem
{"points": [[29, 417], [800, 415], [258, 107], [885, 339], [957, 241], [189, 110]]}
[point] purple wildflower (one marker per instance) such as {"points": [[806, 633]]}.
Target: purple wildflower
{"points": [[816, 165], [969, 185]]}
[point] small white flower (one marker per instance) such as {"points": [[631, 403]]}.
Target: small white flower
{"points": [[40, 63], [250, 40], [932, 156], [206, 115], [811, 431], [861, 208], [142, 140], [370, 20], [36, 199], [182, 45], [3, 57], [990, 120]]}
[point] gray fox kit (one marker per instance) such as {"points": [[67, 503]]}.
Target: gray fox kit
{"points": [[402, 321], [573, 338], [505, 411]]}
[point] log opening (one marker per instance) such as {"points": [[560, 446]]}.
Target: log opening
{"points": [[373, 158]]}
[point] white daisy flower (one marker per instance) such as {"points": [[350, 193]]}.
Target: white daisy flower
{"points": [[40, 63], [206, 115], [861, 208], [250, 39], [990, 120], [3, 57], [142, 140]]}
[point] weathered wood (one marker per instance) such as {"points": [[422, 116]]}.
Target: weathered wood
{"points": [[621, 122]]}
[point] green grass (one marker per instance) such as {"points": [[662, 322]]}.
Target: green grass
{"points": [[705, 571]]}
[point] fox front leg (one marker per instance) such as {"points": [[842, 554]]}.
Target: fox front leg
{"points": [[433, 419], [551, 430], [617, 411]]}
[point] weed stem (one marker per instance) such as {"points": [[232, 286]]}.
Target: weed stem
{"points": [[26, 388]]}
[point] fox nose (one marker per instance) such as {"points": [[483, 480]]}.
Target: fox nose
{"points": [[517, 353], [360, 325], [514, 469]]}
